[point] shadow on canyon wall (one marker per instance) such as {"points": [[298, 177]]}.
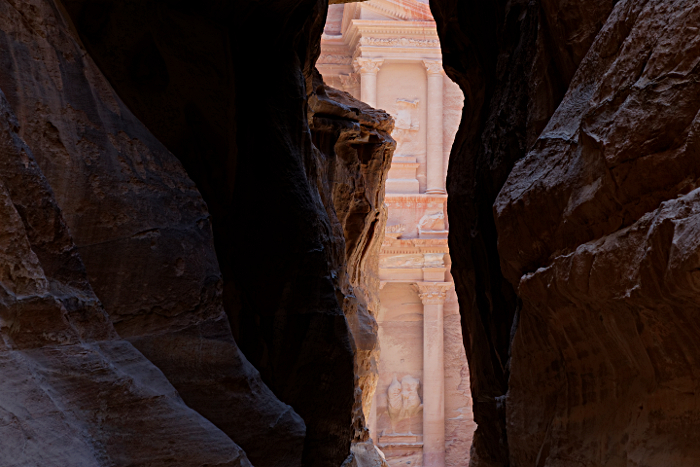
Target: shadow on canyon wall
{"points": [[177, 183]]}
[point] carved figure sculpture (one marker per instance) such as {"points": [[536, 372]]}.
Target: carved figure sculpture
{"points": [[403, 401], [394, 402], [431, 222], [406, 123]]}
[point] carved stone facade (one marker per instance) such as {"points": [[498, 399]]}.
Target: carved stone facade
{"points": [[387, 53]]}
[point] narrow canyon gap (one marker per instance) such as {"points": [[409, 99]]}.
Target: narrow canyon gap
{"points": [[165, 197], [417, 397]]}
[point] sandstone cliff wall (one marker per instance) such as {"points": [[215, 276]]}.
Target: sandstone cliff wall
{"points": [[293, 228], [72, 391], [573, 207], [354, 154], [582, 117], [607, 271]]}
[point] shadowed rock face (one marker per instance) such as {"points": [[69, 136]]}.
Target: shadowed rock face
{"points": [[293, 224], [235, 114], [71, 392], [513, 61], [572, 256], [574, 210], [607, 271]]}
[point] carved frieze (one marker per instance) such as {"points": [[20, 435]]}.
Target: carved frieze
{"points": [[399, 42], [407, 201], [335, 59], [394, 231], [398, 228]]}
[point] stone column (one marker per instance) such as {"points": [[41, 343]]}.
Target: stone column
{"points": [[435, 129], [368, 70], [432, 294]]}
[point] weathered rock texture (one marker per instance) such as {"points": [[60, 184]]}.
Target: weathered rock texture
{"points": [[578, 317], [143, 231], [292, 227], [586, 258], [513, 61], [72, 392], [282, 256], [353, 157], [608, 270], [140, 226]]}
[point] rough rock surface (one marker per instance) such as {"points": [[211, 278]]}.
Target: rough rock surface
{"points": [[72, 392], [143, 232], [292, 226], [238, 123], [576, 286], [578, 290], [354, 155], [237, 117], [607, 268], [513, 61]]}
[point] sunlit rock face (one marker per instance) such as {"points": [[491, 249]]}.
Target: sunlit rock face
{"points": [[354, 150], [573, 212]]}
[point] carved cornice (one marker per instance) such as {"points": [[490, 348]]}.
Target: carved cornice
{"points": [[367, 65], [401, 9], [375, 30], [393, 246]]}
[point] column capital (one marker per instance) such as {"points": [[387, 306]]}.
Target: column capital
{"points": [[367, 65], [433, 293], [434, 67]]}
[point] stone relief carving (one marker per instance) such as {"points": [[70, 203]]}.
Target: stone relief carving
{"points": [[403, 401], [398, 228], [407, 124], [349, 81], [432, 222], [395, 231]]}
